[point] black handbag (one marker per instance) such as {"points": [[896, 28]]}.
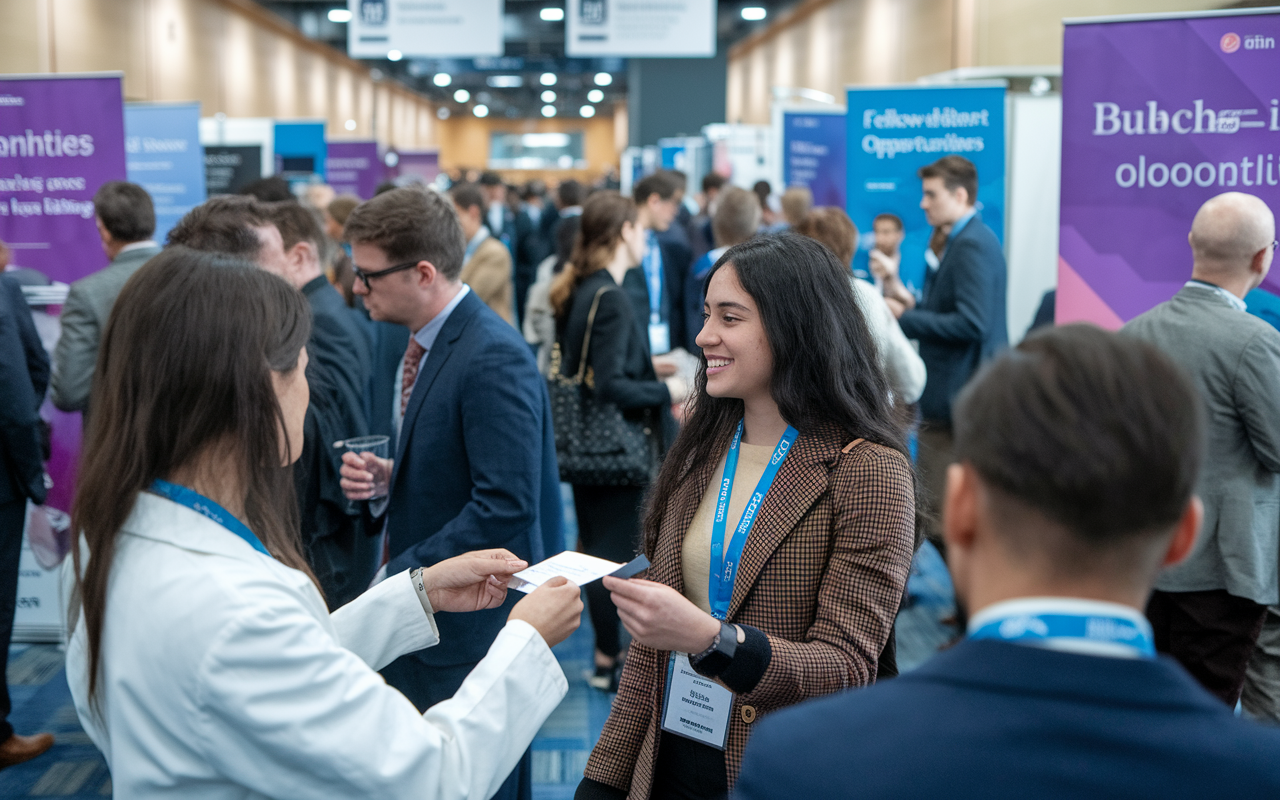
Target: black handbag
{"points": [[596, 444]]}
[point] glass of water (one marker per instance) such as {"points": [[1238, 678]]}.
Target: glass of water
{"points": [[378, 446]]}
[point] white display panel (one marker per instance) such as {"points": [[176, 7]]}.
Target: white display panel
{"points": [[424, 28], [634, 28]]}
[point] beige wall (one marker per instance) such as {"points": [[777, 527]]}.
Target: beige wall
{"points": [[830, 44], [230, 55]]}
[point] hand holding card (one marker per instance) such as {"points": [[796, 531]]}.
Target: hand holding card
{"points": [[577, 567]]}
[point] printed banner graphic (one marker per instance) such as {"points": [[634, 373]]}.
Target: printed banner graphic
{"points": [[425, 29], [1157, 117], [813, 154], [162, 148], [354, 168], [628, 28], [893, 132]]}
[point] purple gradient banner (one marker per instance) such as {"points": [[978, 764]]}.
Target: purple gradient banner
{"points": [[1157, 117], [354, 168]]}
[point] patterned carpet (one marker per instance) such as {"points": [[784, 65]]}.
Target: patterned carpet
{"points": [[75, 769]]}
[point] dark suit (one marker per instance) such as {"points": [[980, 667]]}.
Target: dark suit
{"points": [[24, 376], [961, 320], [993, 720], [339, 548], [675, 266], [475, 465], [532, 244], [389, 343]]}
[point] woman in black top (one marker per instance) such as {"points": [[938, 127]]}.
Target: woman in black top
{"points": [[620, 369]]}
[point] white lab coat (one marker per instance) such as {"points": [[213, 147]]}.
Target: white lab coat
{"points": [[224, 676]]}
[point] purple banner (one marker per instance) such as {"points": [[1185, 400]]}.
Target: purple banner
{"points": [[1157, 117], [354, 168], [60, 139], [425, 164]]}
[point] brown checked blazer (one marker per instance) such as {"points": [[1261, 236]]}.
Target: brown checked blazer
{"points": [[822, 575]]}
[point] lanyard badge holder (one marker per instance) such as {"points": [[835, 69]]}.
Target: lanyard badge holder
{"points": [[659, 331], [695, 706], [205, 507]]}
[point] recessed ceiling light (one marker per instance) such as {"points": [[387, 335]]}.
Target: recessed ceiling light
{"points": [[394, 55], [350, 125], [442, 112], [595, 95], [442, 79], [480, 111], [339, 15], [548, 111], [587, 111], [754, 13], [505, 81], [551, 14], [462, 96], [548, 96], [548, 79], [603, 79]]}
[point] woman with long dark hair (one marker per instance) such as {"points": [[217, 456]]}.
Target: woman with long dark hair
{"points": [[203, 661], [780, 529], [609, 242]]}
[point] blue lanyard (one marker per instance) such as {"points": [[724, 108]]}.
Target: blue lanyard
{"points": [[724, 566], [206, 507], [653, 277], [1101, 628]]}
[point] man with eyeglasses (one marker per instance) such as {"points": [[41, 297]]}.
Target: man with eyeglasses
{"points": [[474, 464], [1209, 610]]}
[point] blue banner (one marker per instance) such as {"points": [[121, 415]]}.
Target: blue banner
{"points": [[893, 132], [813, 154], [300, 151], [163, 155]]}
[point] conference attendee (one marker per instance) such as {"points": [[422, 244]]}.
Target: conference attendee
{"points": [[782, 582], [475, 460], [1078, 455], [902, 366], [498, 218], [24, 376], [736, 219], [1207, 612], [340, 274], [539, 325], [769, 217], [590, 306], [341, 552], [533, 223], [884, 259], [126, 220], [796, 204], [701, 236], [568, 204], [656, 287], [486, 265], [271, 189], [961, 320], [202, 660]]}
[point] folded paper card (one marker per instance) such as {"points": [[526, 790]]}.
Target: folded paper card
{"points": [[577, 567]]}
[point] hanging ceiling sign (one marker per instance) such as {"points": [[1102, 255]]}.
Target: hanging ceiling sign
{"points": [[634, 29], [424, 28]]}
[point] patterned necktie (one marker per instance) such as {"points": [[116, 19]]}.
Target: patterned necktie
{"points": [[412, 358]]}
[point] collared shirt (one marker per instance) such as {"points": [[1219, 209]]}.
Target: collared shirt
{"points": [[960, 223], [1071, 606], [474, 244], [1235, 302], [497, 216], [136, 246], [571, 211], [934, 260], [425, 336]]}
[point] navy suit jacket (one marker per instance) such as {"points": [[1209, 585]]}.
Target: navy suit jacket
{"points": [[675, 270], [24, 376], [475, 466], [961, 321], [991, 719]]}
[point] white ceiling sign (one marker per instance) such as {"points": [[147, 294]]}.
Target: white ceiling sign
{"points": [[639, 28], [425, 28]]}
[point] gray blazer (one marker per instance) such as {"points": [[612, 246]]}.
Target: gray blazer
{"points": [[1234, 358], [84, 318]]}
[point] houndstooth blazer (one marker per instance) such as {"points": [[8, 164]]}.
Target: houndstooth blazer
{"points": [[822, 575]]}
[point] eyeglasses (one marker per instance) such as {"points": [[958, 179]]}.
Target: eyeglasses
{"points": [[365, 277]]}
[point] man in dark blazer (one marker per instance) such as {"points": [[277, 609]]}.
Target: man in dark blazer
{"points": [[24, 376], [961, 321], [1208, 611], [126, 220], [1057, 692], [474, 464], [665, 265]]}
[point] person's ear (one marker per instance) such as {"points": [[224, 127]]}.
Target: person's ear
{"points": [[960, 508], [1185, 534], [1260, 265], [426, 272]]}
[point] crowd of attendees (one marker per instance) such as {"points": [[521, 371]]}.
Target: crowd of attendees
{"points": [[319, 444]]}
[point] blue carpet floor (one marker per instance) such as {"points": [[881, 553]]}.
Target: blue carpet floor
{"points": [[75, 769]]}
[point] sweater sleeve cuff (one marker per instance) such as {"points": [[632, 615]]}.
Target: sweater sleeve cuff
{"points": [[749, 662]]}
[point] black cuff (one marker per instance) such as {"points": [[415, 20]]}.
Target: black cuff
{"points": [[749, 662], [595, 790]]}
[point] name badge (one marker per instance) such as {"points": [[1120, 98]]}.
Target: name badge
{"points": [[695, 707], [659, 338]]}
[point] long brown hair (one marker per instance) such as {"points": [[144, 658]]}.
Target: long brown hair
{"points": [[600, 230], [185, 365]]}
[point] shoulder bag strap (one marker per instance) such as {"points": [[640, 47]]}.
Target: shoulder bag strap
{"points": [[586, 337]]}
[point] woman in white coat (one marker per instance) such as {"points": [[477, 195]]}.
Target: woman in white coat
{"points": [[203, 661]]}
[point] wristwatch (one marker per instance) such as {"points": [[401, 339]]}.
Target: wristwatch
{"points": [[716, 659], [419, 586]]}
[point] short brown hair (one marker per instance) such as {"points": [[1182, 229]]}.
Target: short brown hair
{"points": [[892, 219], [126, 211], [467, 195], [737, 216], [796, 203], [411, 225], [660, 183], [833, 228], [297, 223], [956, 172], [1098, 432], [341, 207], [223, 224]]}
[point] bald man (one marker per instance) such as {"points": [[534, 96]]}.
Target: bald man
{"points": [[1208, 611]]}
